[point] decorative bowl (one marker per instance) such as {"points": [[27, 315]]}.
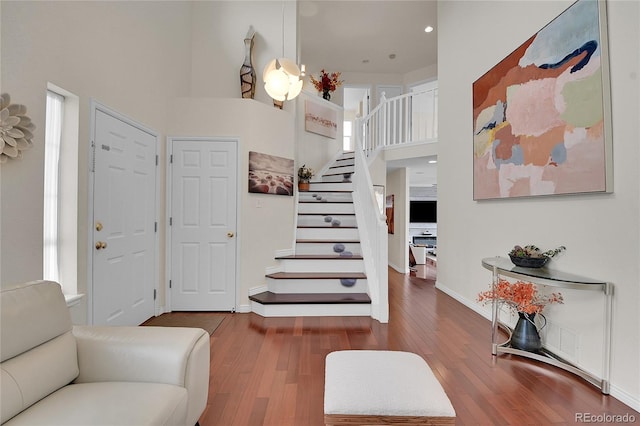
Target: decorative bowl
{"points": [[529, 262]]}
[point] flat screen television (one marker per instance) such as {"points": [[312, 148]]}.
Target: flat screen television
{"points": [[423, 211]]}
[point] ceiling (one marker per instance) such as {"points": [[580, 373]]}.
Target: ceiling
{"points": [[359, 36], [342, 35]]}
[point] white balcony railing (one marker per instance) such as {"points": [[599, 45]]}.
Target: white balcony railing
{"points": [[404, 119], [372, 227], [412, 117]]}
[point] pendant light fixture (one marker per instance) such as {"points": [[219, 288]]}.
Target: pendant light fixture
{"points": [[282, 76]]}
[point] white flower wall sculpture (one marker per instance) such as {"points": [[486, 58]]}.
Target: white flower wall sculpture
{"points": [[16, 129]]}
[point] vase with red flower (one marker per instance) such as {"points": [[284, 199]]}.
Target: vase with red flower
{"points": [[326, 83], [526, 334], [524, 299]]}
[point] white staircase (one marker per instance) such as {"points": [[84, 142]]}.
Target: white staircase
{"points": [[326, 275]]}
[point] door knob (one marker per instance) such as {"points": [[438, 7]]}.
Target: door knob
{"points": [[101, 245], [230, 234], [98, 226]]}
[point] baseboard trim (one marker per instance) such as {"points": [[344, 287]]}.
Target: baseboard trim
{"points": [[244, 309], [256, 290]]}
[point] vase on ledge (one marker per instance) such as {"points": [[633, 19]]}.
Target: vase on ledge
{"points": [[525, 335], [303, 185], [326, 95]]}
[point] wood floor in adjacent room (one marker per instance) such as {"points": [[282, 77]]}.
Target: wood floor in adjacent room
{"points": [[270, 371]]}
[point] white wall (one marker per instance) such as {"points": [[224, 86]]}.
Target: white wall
{"points": [[601, 232], [265, 221], [398, 186], [312, 149], [137, 58], [218, 32], [115, 52]]}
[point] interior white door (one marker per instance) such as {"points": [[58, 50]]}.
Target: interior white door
{"points": [[124, 211], [203, 224]]}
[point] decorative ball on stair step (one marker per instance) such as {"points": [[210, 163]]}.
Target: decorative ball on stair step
{"points": [[319, 197], [335, 222], [346, 254], [338, 248], [348, 282], [328, 219]]}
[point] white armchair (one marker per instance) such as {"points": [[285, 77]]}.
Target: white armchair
{"points": [[55, 374]]}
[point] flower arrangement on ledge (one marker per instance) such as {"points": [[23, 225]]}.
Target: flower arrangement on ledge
{"points": [[326, 83], [519, 296], [305, 173]]}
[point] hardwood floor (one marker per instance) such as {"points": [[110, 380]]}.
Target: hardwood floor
{"points": [[270, 371]]}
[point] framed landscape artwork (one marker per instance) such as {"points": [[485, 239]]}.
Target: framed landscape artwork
{"points": [[320, 119], [269, 174], [541, 116]]}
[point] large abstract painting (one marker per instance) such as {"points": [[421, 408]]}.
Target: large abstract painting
{"points": [[542, 115]]}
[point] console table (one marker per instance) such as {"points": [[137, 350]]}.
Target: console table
{"points": [[501, 266]]}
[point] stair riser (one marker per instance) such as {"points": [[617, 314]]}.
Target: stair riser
{"points": [[315, 286], [337, 310], [335, 178], [343, 186], [326, 208], [325, 248], [326, 220], [341, 169], [322, 265], [328, 196], [327, 234], [345, 162]]}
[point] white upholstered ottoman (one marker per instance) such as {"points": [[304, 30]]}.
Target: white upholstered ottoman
{"points": [[383, 388]]}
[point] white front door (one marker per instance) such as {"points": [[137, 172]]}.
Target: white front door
{"points": [[123, 227], [203, 224]]}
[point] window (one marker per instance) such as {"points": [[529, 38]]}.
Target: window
{"points": [[60, 203], [53, 136], [347, 133]]}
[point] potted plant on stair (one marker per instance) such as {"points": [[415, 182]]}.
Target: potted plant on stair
{"points": [[304, 175]]}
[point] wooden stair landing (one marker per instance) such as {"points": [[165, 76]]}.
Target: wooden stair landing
{"points": [[316, 275], [321, 257], [269, 298]]}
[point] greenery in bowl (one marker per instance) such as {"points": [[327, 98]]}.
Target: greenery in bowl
{"points": [[531, 251], [305, 173]]}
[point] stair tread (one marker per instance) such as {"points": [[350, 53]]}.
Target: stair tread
{"points": [[324, 202], [269, 298], [327, 226], [332, 241], [330, 191], [326, 214], [316, 275], [320, 257], [337, 174]]}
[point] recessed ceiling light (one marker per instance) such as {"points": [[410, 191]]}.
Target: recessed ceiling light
{"points": [[433, 161], [392, 56], [428, 29], [365, 61]]}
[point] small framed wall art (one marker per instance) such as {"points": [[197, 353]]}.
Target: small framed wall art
{"points": [[269, 174], [320, 119]]}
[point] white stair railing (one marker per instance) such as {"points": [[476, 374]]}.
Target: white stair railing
{"points": [[373, 237], [407, 118]]}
